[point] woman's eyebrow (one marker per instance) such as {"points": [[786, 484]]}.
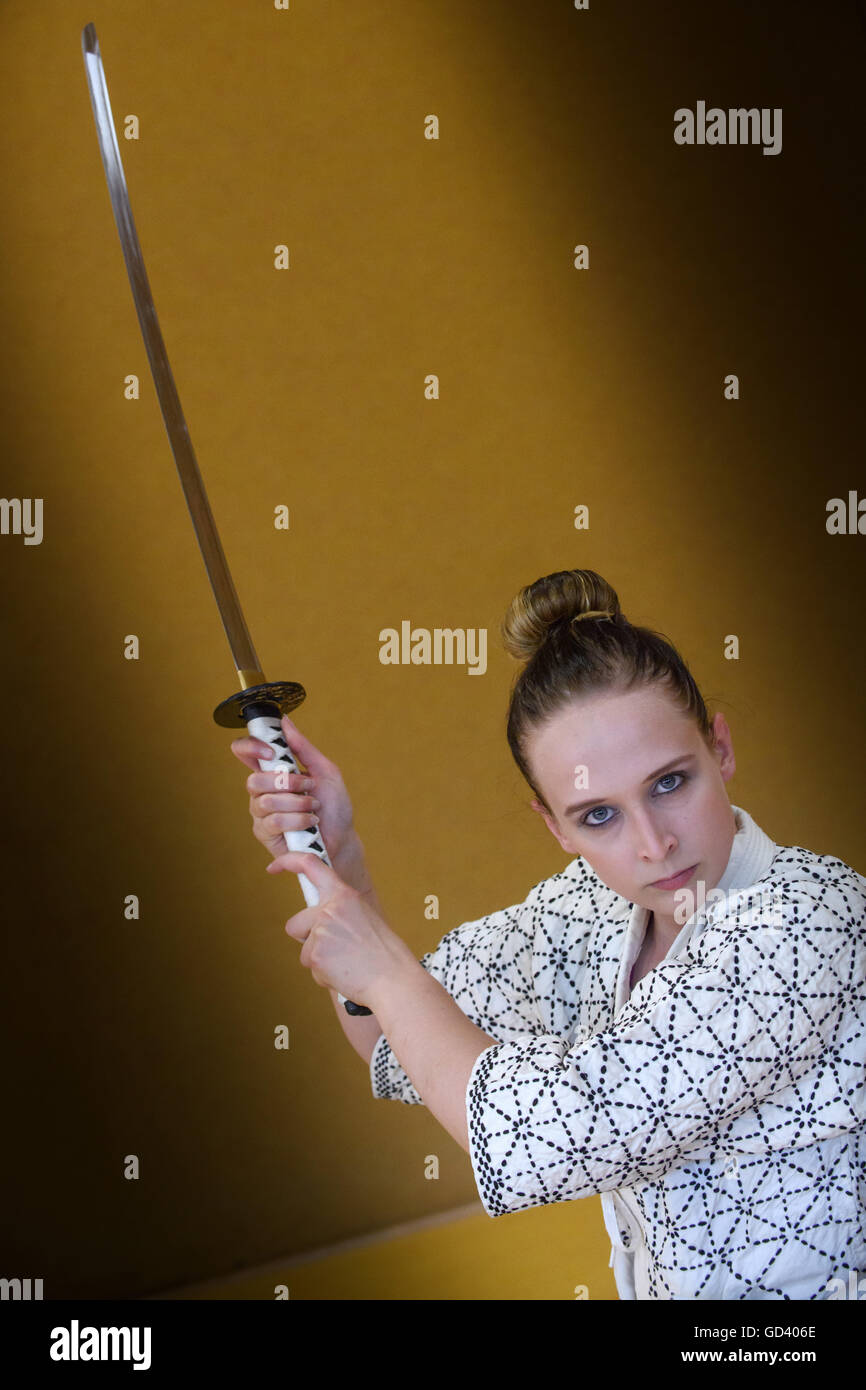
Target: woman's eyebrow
{"points": [[600, 801]]}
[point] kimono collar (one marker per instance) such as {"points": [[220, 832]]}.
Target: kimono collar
{"points": [[752, 853]]}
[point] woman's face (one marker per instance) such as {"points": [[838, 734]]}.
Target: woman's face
{"points": [[635, 790]]}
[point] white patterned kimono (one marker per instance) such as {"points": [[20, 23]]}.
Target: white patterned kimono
{"points": [[718, 1107]]}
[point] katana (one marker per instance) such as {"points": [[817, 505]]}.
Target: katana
{"points": [[260, 703]]}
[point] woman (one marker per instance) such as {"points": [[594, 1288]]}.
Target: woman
{"points": [[676, 1020]]}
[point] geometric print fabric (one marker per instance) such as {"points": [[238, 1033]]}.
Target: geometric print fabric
{"points": [[719, 1107]]}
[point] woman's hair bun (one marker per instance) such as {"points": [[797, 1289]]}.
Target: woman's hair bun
{"points": [[565, 597]]}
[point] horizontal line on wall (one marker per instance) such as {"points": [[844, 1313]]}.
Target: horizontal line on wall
{"points": [[324, 1252]]}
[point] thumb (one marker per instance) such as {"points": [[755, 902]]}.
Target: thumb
{"points": [[301, 745], [320, 874]]}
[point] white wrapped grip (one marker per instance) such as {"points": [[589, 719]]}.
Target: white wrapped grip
{"points": [[269, 730]]}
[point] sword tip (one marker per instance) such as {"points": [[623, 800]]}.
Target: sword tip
{"points": [[89, 41]]}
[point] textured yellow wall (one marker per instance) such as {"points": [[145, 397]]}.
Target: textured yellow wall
{"points": [[305, 387], [556, 1253]]}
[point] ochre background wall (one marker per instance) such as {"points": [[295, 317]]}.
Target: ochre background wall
{"points": [[305, 387]]}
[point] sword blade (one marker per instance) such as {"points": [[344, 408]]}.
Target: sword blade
{"points": [[240, 642], [259, 701]]}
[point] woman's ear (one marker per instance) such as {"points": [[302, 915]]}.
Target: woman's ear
{"points": [[723, 747], [551, 825]]}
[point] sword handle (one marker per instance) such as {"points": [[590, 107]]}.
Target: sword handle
{"points": [[269, 730]]}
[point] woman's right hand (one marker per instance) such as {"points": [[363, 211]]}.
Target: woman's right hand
{"points": [[316, 795]]}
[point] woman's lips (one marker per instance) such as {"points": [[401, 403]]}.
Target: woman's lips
{"points": [[677, 882]]}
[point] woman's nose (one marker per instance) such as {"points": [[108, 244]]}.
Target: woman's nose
{"points": [[654, 842]]}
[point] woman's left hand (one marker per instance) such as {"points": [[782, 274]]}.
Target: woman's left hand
{"points": [[347, 945]]}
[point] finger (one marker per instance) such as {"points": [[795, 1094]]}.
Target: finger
{"points": [[269, 828], [250, 750], [306, 959], [279, 781], [303, 748], [320, 874], [301, 925], [284, 806], [290, 813], [266, 803]]}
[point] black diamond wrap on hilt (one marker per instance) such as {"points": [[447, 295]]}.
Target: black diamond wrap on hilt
{"points": [[262, 718]]}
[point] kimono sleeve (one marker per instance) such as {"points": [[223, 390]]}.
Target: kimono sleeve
{"points": [[486, 967], [701, 1041]]}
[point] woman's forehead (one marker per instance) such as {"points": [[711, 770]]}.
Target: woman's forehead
{"points": [[613, 734], [604, 718]]}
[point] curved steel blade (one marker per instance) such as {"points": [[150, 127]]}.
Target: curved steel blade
{"points": [[243, 652]]}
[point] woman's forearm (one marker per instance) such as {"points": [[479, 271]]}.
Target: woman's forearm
{"points": [[362, 1032], [434, 1042], [430, 1036], [351, 865]]}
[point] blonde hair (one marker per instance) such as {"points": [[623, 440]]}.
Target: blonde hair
{"points": [[569, 630]]}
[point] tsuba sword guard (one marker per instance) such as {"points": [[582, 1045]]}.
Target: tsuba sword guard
{"points": [[272, 698]]}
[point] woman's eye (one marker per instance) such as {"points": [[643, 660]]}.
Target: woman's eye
{"points": [[673, 781], [669, 777]]}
